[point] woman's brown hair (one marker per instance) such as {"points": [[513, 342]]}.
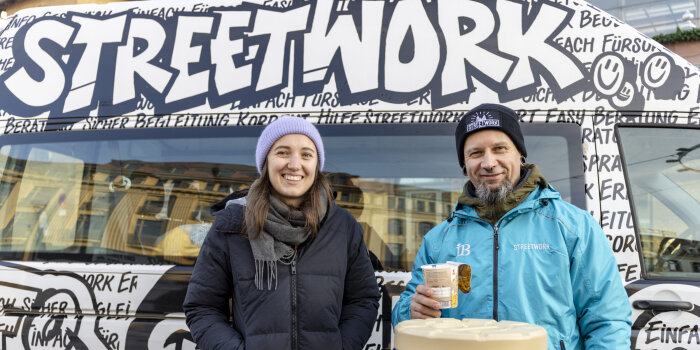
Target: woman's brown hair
{"points": [[258, 203]]}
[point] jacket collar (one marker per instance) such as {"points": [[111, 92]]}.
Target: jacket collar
{"points": [[529, 193]]}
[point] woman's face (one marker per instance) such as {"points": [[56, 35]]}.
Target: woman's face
{"points": [[291, 166]]}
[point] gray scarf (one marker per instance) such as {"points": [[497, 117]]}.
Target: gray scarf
{"points": [[284, 229]]}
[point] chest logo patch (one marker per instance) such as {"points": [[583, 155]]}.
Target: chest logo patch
{"points": [[531, 246], [463, 249]]}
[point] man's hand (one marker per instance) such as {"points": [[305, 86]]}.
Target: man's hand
{"points": [[422, 306]]}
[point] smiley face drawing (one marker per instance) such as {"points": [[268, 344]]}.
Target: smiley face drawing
{"points": [[661, 75]]}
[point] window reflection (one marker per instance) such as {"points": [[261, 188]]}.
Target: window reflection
{"points": [[663, 166], [133, 196]]}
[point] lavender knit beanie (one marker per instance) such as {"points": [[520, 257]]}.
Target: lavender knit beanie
{"points": [[287, 124]]}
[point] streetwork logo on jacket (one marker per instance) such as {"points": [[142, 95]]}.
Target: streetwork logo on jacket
{"points": [[483, 120]]}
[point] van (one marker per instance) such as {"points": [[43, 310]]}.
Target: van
{"points": [[121, 124]]}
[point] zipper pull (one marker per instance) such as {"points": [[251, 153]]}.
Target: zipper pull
{"points": [[294, 266], [495, 236]]}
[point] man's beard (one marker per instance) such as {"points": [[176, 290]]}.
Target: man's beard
{"points": [[493, 196]]}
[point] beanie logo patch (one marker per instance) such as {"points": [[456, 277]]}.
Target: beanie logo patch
{"points": [[483, 120]]}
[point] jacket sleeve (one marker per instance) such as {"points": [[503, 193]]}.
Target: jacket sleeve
{"points": [[360, 295], [402, 309], [602, 306], [206, 304]]}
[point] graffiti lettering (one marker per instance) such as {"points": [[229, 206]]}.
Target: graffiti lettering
{"points": [[694, 116], [329, 117], [164, 12], [616, 43], [99, 281], [596, 20], [325, 99], [47, 89], [589, 188], [565, 116], [658, 331], [602, 163], [527, 116], [51, 337], [14, 126], [283, 100], [541, 95], [422, 100], [59, 311], [630, 271], [143, 121], [621, 244], [85, 75], [56, 307], [599, 135], [247, 119], [114, 123], [141, 63], [242, 56], [535, 45], [618, 190], [112, 339], [6, 43], [683, 94], [127, 282], [577, 44], [661, 117], [624, 219], [400, 62], [113, 309], [6, 63], [608, 118], [20, 21]]}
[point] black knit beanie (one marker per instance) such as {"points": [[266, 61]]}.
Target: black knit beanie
{"points": [[489, 116]]}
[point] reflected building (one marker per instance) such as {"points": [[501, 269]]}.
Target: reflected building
{"points": [[653, 17], [158, 212]]}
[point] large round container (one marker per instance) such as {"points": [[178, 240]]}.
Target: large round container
{"points": [[476, 334]]}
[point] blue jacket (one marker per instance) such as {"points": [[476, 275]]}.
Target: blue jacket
{"points": [[326, 299], [545, 262]]}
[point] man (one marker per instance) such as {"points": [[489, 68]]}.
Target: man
{"points": [[534, 257]]}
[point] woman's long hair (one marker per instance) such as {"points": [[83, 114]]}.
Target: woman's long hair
{"points": [[258, 203]]}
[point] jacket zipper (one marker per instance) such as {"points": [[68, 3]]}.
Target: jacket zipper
{"points": [[495, 273], [496, 246], [561, 344], [495, 261], [295, 340]]}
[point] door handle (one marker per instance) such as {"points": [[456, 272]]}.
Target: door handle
{"points": [[658, 305]]}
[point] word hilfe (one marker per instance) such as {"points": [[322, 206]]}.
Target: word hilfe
{"points": [[245, 54]]}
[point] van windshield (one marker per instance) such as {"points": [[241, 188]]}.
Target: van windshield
{"points": [[663, 169], [143, 196]]}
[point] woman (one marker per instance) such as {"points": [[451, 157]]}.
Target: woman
{"points": [[293, 263]]}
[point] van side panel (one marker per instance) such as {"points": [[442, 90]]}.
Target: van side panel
{"points": [[176, 64]]}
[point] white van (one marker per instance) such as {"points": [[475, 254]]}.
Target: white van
{"points": [[121, 124]]}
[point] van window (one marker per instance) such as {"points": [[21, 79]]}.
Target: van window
{"points": [[133, 197], [143, 196], [663, 169]]}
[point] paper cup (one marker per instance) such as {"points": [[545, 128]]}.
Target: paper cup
{"points": [[442, 279]]}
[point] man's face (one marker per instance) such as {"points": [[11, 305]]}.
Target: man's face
{"points": [[490, 158]]}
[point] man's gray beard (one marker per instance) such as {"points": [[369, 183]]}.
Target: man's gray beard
{"points": [[494, 196]]}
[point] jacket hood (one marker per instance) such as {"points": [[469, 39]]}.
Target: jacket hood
{"points": [[237, 197]]}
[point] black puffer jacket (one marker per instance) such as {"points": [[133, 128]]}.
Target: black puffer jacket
{"points": [[327, 299]]}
